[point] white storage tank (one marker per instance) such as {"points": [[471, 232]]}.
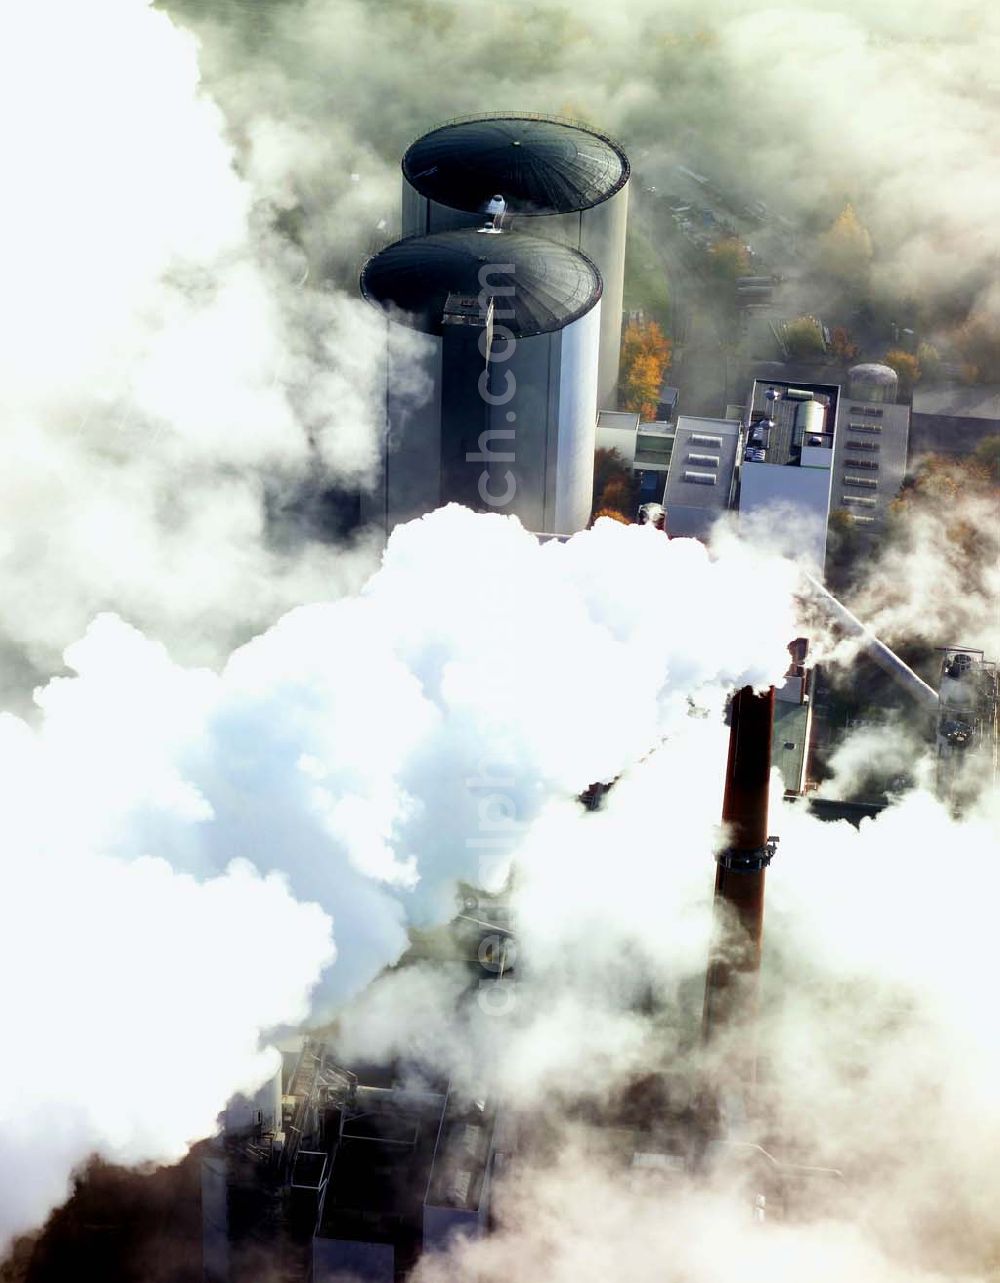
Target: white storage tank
{"points": [[874, 383], [492, 344], [534, 174]]}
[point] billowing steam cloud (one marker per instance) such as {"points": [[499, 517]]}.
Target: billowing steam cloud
{"points": [[372, 750], [366, 746], [939, 580], [582, 1218], [878, 1048], [134, 997], [806, 105], [163, 358], [168, 357]]}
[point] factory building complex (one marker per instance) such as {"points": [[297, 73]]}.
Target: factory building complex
{"points": [[337, 1173], [797, 452], [502, 313], [502, 307]]}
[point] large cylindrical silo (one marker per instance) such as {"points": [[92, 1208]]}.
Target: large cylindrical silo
{"points": [[491, 377], [558, 180]]}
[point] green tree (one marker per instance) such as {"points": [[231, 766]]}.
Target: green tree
{"points": [[729, 258], [804, 337]]}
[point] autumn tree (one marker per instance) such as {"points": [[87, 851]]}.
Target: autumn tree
{"points": [[961, 492], [842, 345], [907, 367], [645, 360], [931, 576], [804, 337], [846, 249], [615, 489]]}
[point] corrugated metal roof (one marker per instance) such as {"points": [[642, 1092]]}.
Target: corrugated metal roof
{"points": [[539, 165], [539, 285]]}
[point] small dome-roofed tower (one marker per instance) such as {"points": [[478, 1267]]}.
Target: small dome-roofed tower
{"points": [[872, 382]]}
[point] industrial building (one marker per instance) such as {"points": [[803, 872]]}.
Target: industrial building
{"points": [[953, 419], [869, 461], [839, 453], [967, 735], [701, 479], [799, 452], [645, 447], [333, 1172], [788, 457], [793, 717], [776, 456], [551, 178], [492, 346], [328, 1173]]}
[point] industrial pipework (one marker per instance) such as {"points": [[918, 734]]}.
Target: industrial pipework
{"points": [[877, 651]]}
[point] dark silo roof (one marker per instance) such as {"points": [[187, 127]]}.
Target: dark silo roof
{"points": [[538, 285], [539, 166]]}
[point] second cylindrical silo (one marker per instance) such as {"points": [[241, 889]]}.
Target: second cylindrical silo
{"points": [[557, 179], [491, 376]]}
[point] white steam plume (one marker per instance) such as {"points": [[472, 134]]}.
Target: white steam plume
{"points": [[382, 746], [936, 582], [583, 1219], [879, 1050], [162, 360], [765, 99], [356, 747], [135, 998], [338, 747], [878, 1043]]}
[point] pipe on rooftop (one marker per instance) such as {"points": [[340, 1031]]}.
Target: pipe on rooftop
{"points": [[877, 651]]}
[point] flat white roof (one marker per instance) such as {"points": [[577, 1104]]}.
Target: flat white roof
{"points": [[626, 420]]}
